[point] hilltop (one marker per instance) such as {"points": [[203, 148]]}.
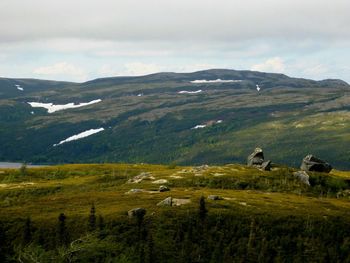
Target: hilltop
{"points": [[213, 116]]}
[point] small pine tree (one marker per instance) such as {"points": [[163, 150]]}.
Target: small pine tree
{"points": [[92, 218], [27, 231], [23, 169], [202, 209], [150, 249], [62, 234], [101, 223]]}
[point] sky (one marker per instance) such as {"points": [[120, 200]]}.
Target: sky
{"points": [[80, 40]]}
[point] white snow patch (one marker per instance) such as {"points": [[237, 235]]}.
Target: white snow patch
{"points": [[139, 95], [200, 126], [198, 81], [53, 108], [32, 112], [19, 87], [219, 121], [80, 136], [190, 92], [258, 87]]}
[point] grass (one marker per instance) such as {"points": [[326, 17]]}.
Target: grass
{"points": [[45, 192]]}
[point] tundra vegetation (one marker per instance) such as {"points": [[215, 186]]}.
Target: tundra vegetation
{"points": [[79, 213]]}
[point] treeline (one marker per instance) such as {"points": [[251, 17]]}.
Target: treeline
{"points": [[178, 236]]}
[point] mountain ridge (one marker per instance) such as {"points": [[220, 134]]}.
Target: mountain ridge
{"points": [[151, 119]]}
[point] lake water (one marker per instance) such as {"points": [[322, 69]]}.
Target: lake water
{"points": [[15, 165]]}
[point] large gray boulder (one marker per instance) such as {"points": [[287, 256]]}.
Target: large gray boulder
{"points": [[302, 176], [169, 201], [136, 212], [214, 197], [163, 188], [313, 164], [256, 159], [166, 202]]}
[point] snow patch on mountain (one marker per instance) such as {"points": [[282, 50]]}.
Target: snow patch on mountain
{"points": [[200, 126], [19, 87], [190, 92], [80, 136], [53, 108], [200, 81]]}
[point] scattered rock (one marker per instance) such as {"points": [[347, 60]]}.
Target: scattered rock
{"points": [[344, 193], [160, 181], [140, 177], [256, 159], [136, 212], [302, 176], [218, 174], [201, 168], [163, 188], [166, 202], [313, 164], [134, 191], [176, 176], [214, 197], [266, 166], [169, 201]]}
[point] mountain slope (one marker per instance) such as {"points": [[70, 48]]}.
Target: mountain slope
{"points": [[147, 119]]}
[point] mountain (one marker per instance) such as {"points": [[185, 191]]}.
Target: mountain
{"points": [[212, 116]]}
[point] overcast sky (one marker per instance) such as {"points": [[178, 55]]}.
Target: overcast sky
{"points": [[79, 40]]}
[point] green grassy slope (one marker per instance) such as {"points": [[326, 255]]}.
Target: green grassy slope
{"points": [[262, 217], [289, 118], [42, 193]]}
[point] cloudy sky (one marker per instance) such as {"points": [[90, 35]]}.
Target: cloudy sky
{"points": [[79, 40]]}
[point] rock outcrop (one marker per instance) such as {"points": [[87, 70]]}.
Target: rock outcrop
{"points": [[169, 201], [137, 212], [140, 177], [214, 197], [163, 188], [256, 159], [302, 176], [135, 191], [313, 164]]}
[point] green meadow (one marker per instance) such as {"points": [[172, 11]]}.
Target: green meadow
{"points": [[262, 216]]}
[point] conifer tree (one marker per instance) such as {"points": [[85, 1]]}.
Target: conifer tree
{"points": [[92, 218], [27, 231], [202, 209], [62, 234]]}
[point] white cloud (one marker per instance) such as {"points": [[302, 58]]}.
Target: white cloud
{"points": [[62, 70], [275, 64], [195, 67], [316, 70], [139, 69]]}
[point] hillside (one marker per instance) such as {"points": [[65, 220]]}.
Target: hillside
{"points": [[259, 216], [183, 118]]}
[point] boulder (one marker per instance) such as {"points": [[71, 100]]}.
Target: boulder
{"points": [[163, 188], [137, 212], [256, 159], [160, 181], [313, 164], [169, 201], [134, 191], [166, 202], [266, 166], [140, 177], [302, 176], [214, 197]]}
